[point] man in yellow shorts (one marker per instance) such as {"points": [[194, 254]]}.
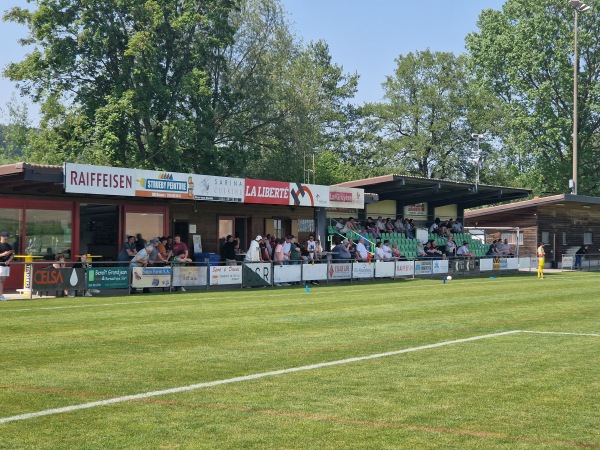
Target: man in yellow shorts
{"points": [[541, 254]]}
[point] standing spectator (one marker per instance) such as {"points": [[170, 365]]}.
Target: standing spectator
{"points": [[579, 256], [140, 259], [352, 248], [541, 254], [128, 250], [265, 253], [311, 247], [85, 265], [60, 264], [180, 250], [6, 256], [162, 249], [229, 250], [279, 259], [253, 253], [294, 250], [140, 242]]}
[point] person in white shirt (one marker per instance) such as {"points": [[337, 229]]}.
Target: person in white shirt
{"points": [[361, 250], [379, 252], [253, 253], [387, 251], [311, 246], [287, 247]]}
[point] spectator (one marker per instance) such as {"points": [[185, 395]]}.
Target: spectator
{"points": [[180, 250], [128, 250], [387, 251], [318, 250], [579, 257], [450, 247], [230, 248], [432, 251], [294, 250], [379, 254], [389, 226], [265, 254], [60, 264], [420, 250], [492, 250], [380, 224], [408, 229], [457, 227], [6, 256], [395, 252], [84, 264], [140, 242], [435, 226], [361, 250], [464, 251], [287, 250], [253, 253], [279, 259], [165, 255], [398, 225], [342, 250], [311, 247], [371, 227], [140, 259], [505, 249], [352, 248]]}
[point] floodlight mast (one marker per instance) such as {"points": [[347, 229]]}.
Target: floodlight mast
{"points": [[578, 6], [477, 159]]}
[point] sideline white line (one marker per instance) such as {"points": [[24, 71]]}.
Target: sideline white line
{"points": [[243, 378], [561, 333]]}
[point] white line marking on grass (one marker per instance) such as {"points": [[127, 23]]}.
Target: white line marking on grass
{"points": [[244, 378], [561, 332]]}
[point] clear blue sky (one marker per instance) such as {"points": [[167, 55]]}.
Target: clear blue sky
{"points": [[363, 36]]}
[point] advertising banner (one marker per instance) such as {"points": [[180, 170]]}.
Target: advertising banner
{"points": [[189, 276], [486, 264], [267, 192], [314, 272], [339, 271], [405, 268], [440, 266], [309, 195], [423, 267], [53, 279], [147, 277], [363, 270], [287, 274], [257, 274], [420, 209], [218, 189], [108, 277], [343, 197], [512, 263], [384, 269], [222, 275]]}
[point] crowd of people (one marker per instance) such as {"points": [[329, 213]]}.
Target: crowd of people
{"points": [[401, 225], [282, 251]]}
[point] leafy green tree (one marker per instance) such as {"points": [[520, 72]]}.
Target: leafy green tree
{"points": [[431, 108], [16, 133], [124, 82], [524, 55]]}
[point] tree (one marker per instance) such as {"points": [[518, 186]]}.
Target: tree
{"points": [[16, 134], [126, 83], [524, 55], [423, 128]]}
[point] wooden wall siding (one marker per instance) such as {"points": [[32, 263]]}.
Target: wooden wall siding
{"points": [[554, 219], [206, 218]]}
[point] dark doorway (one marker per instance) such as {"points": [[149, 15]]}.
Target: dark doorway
{"points": [[98, 231], [182, 228]]}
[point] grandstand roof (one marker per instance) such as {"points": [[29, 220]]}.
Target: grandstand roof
{"points": [[436, 192], [554, 200]]}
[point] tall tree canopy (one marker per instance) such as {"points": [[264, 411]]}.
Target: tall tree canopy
{"points": [[524, 55], [213, 86], [424, 125]]}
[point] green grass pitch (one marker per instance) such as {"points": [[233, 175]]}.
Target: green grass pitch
{"points": [[528, 379]]}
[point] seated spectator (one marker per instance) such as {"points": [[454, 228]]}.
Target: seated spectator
{"points": [[493, 250], [432, 251], [387, 251], [361, 250], [371, 227], [421, 250], [435, 226], [353, 225], [450, 247], [463, 250], [457, 227], [380, 224], [505, 248], [395, 252], [399, 225], [389, 226], [409, 230], [342, 250], [379, 256]]}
